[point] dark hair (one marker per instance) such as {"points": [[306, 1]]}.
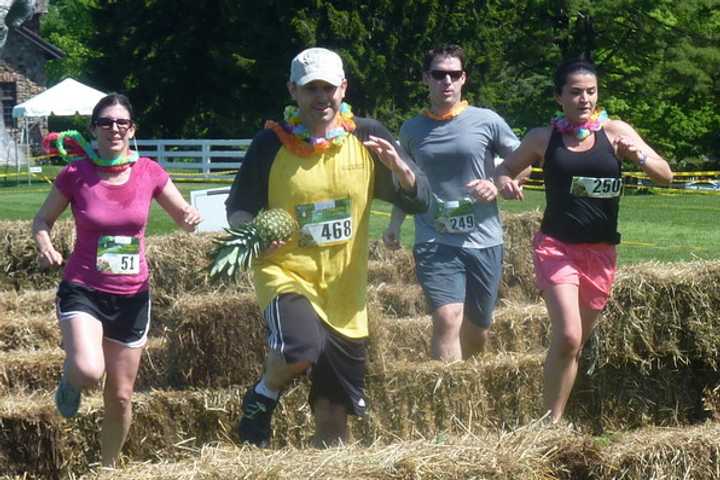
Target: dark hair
{"points": [[108, 101], [570, 66], [449, 50]]}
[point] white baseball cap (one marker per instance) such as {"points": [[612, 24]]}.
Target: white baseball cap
{"points": [[317, 64]]}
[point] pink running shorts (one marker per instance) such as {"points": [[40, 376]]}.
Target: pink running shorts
{"points": [[590, 266]]}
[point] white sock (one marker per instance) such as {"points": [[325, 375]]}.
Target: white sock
{"points": [[263, 389]]}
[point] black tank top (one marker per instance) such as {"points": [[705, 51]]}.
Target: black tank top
{"points": [[582, 192]]}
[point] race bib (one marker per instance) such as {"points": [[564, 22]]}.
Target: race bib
{"points": [[455, 216], [596, 187], [119, 255], [325, 223]]}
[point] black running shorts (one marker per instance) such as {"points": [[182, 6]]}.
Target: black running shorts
{"points": [[338, 362], [125, 318]]}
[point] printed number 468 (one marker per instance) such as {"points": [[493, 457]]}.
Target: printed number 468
{"points": [[337, 230]]}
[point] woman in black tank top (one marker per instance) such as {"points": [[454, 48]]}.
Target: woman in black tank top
{"points": [[581, 153]]}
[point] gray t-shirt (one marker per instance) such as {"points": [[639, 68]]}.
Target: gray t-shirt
{"points": [[452, 153]]}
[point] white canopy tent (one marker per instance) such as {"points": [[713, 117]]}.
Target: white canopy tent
{"points": [[67, 98]]}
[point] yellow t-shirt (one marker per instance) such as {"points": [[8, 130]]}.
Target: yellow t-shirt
{"points": [[332, 274], [330, 195]]}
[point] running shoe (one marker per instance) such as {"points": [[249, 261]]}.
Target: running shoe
{"points": [[67, 399], [254, 427]]}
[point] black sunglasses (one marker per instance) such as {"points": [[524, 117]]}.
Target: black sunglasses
{"points": [[441, 74], [106, 123]]}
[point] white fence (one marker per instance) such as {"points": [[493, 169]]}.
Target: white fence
{"points": [[200, 156]]}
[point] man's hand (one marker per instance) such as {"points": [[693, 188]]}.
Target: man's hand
{"points": [[391, 237], [482, 190], [389, 157]]}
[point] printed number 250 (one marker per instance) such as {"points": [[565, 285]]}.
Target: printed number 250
{"points": [[607, 185]]}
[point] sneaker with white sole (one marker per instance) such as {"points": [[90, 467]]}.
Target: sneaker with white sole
{"points": [[67, 399]]}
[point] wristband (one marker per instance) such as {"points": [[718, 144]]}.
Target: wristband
{"points": [[643, 159]]}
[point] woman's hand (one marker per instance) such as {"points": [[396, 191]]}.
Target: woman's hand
{"points": [[49, 257], [191, 218]]}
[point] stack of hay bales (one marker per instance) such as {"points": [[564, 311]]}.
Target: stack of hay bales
{"points": [[656, 349], [654, 360]]}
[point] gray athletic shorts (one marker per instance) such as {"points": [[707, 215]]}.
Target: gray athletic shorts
{"points": [[470, 276]]}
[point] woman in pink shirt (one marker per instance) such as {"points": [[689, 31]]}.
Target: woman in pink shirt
{"points": [[103, 301]]}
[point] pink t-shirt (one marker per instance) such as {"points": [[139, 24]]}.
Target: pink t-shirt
{"points": [[104, 211]]}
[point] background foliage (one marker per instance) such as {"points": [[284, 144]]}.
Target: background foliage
{"points": [[217, 69]]}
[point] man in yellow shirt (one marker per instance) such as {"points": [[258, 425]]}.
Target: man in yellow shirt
{"points": [[324, 166]]}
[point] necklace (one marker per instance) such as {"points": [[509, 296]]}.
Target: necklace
{"points": [[78, 147], [456, 110], [296, 137], [581, 131]]}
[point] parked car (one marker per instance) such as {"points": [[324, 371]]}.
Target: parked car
{"points": [[703, 185]]}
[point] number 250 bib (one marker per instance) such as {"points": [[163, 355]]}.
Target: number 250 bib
{"points": [[118, 254], [325, 223], [596, 187]]}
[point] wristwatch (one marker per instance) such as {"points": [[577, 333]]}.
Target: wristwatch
{"points": [[643, 159]]}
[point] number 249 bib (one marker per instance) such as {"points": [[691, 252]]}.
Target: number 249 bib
{"points": [[118, 254], [456, 216], [325, 223]]}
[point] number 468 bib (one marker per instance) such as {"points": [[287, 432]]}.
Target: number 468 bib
{"points": [[118, 254], [325, 223]]}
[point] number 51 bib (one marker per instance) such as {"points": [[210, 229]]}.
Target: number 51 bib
{"points": [[325, 223], [118, 254]]}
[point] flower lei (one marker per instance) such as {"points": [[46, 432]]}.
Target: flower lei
{"points": [[55, 143], [456, 110], [293, 134], [581, 131]]}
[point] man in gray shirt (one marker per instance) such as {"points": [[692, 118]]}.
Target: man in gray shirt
{"points": [[458, 242]]}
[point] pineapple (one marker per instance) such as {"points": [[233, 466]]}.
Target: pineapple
{"points": [[244, 243]]}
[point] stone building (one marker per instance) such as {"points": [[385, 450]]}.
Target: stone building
{"points": [[22, 67]]}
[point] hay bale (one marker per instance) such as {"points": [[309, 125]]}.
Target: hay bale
{"points": [[619, 398], [662, 453], [390, 266], [26, 302], [398, 300], [520, 327], [18, 257], [530, 454], [24, 332], [173, 424], [518, 281], [711, 401], [40, 370], [664, 316], [218, 339], [180, 263], [422, 400]]}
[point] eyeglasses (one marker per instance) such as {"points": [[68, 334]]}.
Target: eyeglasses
{"points": [[441, 74], [106, 123]]}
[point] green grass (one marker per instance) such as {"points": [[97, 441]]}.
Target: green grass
{"points": [[653, 227]]}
